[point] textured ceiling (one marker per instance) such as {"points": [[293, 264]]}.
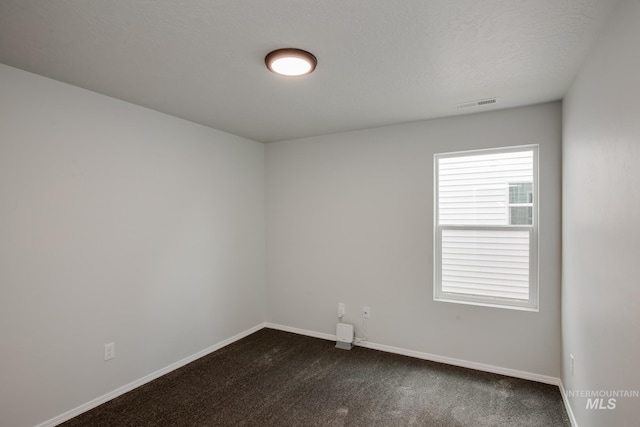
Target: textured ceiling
{"points": [[379, 61]]}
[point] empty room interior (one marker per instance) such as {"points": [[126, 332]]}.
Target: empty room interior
{"points": [[166, 195]]}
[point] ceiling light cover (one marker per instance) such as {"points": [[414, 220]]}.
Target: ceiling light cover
{"points": [[291, 62]]}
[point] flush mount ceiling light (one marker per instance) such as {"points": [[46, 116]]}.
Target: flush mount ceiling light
{"points": [[291, 62]]}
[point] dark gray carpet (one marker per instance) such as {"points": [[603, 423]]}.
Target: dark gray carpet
{"points": [[274, 378]]}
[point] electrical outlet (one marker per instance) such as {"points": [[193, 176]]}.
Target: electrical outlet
{"points": [[341, 309], [109, 351], [366, 312], [572, 363]]}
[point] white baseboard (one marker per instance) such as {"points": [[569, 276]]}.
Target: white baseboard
{"points": [[389, 349], [463, 363], [567, 405], [137, 383], [447, 360], [300, 331], [427, 356]]}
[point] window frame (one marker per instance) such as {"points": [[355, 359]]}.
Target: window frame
{"points": [[532, 304]]}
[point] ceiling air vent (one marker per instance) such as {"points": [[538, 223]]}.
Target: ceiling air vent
{"points": [[478, 103]]}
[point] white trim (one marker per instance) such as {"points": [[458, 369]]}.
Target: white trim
{"points": [[298, 331], [532, 303], [147, 378], [567, 405], [330, 337], [463, 363], [480, 151], [427, 356]]}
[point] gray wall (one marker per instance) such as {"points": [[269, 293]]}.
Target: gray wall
{"points": [[117, 223], [601, 228], [122, 224], [350, 219]]}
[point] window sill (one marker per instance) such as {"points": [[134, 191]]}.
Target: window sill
{"points": [[487, 304]]}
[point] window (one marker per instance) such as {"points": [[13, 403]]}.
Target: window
{"points": [[521, 203], [486, 227]]}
